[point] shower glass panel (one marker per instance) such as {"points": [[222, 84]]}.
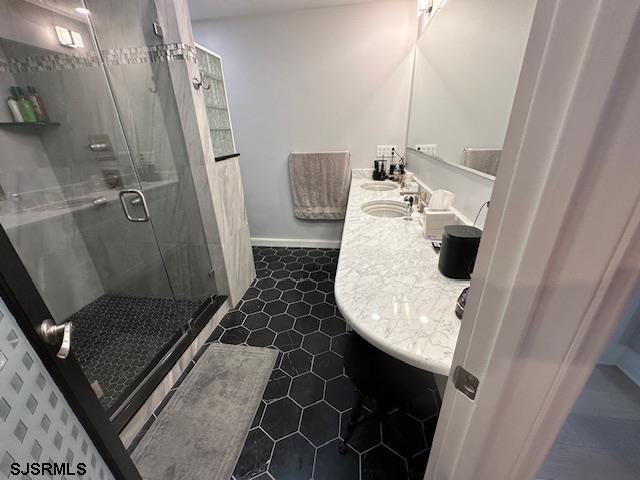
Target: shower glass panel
{"points": [[137, 64], [97, 197]]}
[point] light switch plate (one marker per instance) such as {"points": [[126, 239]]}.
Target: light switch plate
{"points": [[385, 150], [429, 149]]}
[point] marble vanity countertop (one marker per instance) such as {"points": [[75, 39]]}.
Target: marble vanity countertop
{"points": [[388, 286]]}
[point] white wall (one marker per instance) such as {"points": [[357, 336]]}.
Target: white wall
{"points": [[309, 80], [468, 63]]}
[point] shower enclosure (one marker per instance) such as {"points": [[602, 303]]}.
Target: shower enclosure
{"points": [[98, 196]]}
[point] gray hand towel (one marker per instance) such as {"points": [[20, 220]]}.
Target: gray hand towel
{"points": [[482, 159], [320, 184]]}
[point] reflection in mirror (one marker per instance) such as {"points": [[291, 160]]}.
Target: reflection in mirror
{"points": [[468, 61]]}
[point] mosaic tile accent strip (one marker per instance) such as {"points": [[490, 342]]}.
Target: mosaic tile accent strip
{"points": [[36, 423], [113, 56], [303, 413], [150, 54], [108, 334], [49, 63]]}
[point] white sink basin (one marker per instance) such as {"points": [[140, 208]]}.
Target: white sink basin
{"points": [[384, 209], [379, 186]]}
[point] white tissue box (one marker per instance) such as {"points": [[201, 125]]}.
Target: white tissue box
{"points": [[435, 221]]}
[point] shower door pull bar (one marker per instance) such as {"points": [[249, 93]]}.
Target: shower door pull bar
{"points": [[141, 199]]}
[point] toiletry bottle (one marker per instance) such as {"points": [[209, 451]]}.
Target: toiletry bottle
{"points": [[15, 110], [38, 105], [26, 109]]}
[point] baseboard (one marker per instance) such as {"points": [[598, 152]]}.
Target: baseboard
{"points": [[629, 363], [612, 355], [294, 242]]}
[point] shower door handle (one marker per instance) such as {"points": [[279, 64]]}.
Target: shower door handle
{"points": [[53, 334], [140, 199]]}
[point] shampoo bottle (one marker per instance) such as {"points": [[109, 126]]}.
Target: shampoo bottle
{"points": [[38, 104], [26, 109], [15, 110]]}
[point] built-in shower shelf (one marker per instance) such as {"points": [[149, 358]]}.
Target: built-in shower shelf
{"points": [[29, 124], [226, 157]]}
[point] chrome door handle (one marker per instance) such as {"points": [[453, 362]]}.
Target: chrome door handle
{"points": [[141, 199], [53, 334]]}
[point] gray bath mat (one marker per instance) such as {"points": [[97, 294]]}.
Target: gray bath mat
{"points": [[201, 431]]}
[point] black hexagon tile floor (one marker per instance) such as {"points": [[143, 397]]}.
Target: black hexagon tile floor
{"points": [[306, 404]]}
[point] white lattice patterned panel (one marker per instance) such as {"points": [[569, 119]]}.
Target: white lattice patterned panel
{"points": [[36, 423], [216, 103]]}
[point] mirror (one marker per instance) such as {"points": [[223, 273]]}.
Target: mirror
{"points": [[468, 61]]}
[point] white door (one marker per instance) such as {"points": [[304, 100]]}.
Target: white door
{"points": [[560, 256]]}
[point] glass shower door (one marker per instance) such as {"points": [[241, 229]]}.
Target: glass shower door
{"points": [[137, 62], [72, 201]]}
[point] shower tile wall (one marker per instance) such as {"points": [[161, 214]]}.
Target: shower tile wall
{"points": [[36, 423], [234, 225]]}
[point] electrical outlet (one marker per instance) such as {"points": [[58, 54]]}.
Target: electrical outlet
{"points": [[428, 149], [385, 150]]}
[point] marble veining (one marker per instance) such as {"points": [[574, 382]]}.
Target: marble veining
{"points": [[388, 286]]}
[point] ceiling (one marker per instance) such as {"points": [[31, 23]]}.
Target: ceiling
{"points": [[205, 9]]}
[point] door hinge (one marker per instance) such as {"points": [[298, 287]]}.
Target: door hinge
{"points": [[465, 382]]}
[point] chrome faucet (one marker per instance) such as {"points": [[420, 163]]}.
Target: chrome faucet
{"points": [[408, 202], [418, 198]]}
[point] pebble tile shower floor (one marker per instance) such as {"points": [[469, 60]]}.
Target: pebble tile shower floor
{"points": [[108, 332], [306, 404]]}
